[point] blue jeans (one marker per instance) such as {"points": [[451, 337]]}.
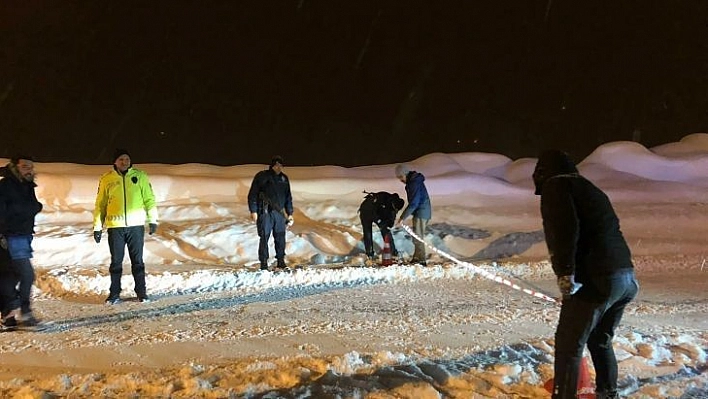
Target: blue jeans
{"points": [[20, 247], [591, 317]]}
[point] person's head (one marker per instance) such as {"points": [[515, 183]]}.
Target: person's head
{"points": [[402, 171], [551, 163], [276, 164], [25, 166], [397, 202], [121, 160]]}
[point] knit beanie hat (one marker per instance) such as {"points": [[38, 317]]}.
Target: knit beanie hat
{"points": [[118, 153], [16, 159], [276, 159]]}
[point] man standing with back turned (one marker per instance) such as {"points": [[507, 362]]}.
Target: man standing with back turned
{"points": [[594, 270], [271, 205], [125, 201]]}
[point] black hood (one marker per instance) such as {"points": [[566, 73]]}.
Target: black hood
{"points": [[552, 163]]}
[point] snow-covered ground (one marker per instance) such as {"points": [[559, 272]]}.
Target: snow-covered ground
{"points": [[336, 327]]}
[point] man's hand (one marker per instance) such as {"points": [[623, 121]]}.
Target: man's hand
{"points": [[152, 228], [291, 221], [567, 285], [97, 236], [254, 216], [3, 242]]}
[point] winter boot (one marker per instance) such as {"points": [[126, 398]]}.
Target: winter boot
{"points": [[113, 300], [9, 322], [29, 320]]}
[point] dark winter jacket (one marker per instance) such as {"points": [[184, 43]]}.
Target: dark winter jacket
{"points": [[418, 199], [270, 192], [581, 228], [380, 208], [18, 203]]}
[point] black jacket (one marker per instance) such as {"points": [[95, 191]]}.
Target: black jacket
{"points": [[18, 203], [270, 191], [581, 227], [381, 208]]}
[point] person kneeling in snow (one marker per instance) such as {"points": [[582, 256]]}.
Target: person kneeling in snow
{"points": [[380, 208]]}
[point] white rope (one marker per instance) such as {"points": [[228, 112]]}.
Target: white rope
{"points": [[480, 271]]}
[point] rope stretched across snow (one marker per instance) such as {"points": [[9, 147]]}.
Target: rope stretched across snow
{"points": [[480, 271]]}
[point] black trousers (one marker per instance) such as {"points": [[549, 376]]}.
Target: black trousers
{"points": [[19, 250], [591, 317], [134, 238], [9, 298], [24, 275], [367, 230], [271, 223]]}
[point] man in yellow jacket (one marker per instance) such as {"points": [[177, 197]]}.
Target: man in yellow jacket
{"points": [[125, 201]]}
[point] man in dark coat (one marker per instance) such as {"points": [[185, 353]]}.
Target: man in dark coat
{"points": [[593, 265], [380, 208], [418, 206], [271, 205], [18, 208]]}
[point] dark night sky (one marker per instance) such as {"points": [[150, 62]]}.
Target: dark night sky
{"points": [[346, 82]]}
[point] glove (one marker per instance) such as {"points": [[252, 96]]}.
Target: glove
{"points": [[567, 285], [152, 228], [97, 236], [291, 221]]}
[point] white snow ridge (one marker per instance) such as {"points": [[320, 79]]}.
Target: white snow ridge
{"points": [[337, 326]]}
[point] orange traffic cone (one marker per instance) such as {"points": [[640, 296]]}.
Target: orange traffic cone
{"points": [[586, 390], [386, 257]]}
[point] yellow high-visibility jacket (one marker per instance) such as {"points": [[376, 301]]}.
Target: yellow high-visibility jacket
{"points": [[124, 200]]}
